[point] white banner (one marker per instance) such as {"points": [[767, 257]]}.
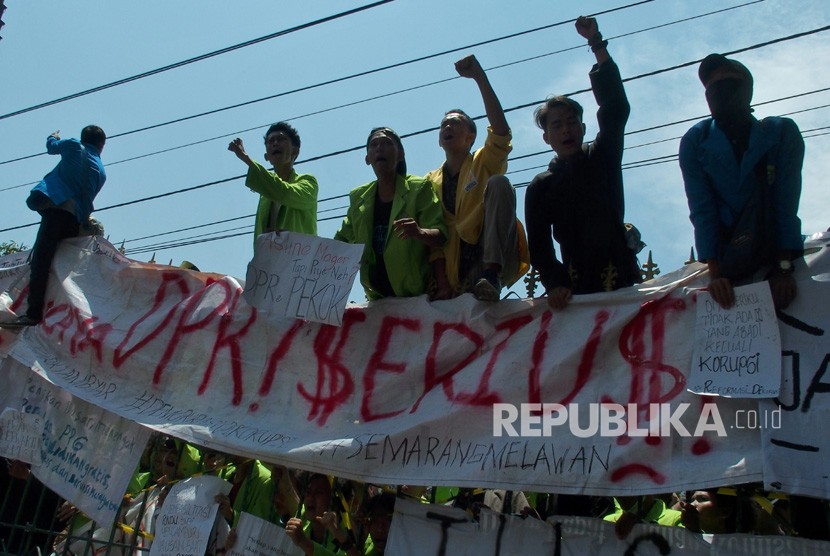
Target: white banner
{"points": [[301, 276], [87, 454], [423, 529], [404, 391], [795, 446]]}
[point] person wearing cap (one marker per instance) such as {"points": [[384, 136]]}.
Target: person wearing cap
{"points": [[398, 219], [486, 246], [287, 199], [579, 200], [724, 159]]}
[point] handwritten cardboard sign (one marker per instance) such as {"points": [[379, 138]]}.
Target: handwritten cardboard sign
{"points": [[302, 276], [737, 351], [88, 454], [20, 435], [187, 515], [13, 266], [257, 537]]}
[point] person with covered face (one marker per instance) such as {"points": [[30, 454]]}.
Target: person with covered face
{"points": [[732, 163], [397, 217], [579, 200]]}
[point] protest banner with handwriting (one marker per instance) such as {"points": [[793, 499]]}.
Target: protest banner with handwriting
{"points": [[20, 435], [424, 528], [87, 454], [737, 351], [302, 276], [404, 391]]}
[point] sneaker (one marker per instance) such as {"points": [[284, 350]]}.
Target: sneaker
{"points": [[488, 287], [20, 322]]}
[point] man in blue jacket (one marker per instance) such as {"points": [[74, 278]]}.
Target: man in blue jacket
{"points": [[63, 198], [728, 158]]}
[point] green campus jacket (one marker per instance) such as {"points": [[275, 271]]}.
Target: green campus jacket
{"points": [[407, 260], [256, 495], [297, 195]]}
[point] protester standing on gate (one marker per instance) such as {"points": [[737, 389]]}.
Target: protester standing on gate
{"points": [[486, 247], [287, 200], [580, 198], [743, 184], [398, 219], [63, 198]]}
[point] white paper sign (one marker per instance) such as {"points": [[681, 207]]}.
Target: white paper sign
{"points": [[88, 454], [186, 516], [737, 351], [302, 276], [257, 537], [12, 268], [20, 435]]}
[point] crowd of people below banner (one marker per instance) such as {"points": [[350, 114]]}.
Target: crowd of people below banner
{"points": [[455, 230], [324, 515]]}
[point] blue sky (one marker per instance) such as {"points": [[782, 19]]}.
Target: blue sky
{"points": [[53, 49]]}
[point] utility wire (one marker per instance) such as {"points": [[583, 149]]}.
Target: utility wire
{"points": [[430, 84], [372, 71], [478, 117], [196, 58], [349, 77], [344, 195], [432, 129], [627, 166]]}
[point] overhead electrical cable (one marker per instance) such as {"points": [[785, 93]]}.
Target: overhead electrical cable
{"points": [[348, 77], [521, 185], [512, 159], [197, 58], [434, 128], [425, 85]]}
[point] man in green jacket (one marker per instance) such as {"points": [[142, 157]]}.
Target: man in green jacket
{"points": [[397, 217], [287, 200]]}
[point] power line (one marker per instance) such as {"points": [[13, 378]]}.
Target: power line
{"points": [[196, 58], [627, 166], [349, 77], [432, 129], [372, 71], [430, 84], [344, 195]]}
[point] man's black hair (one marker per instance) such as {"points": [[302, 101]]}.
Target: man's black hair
{"points": [[471, 125], [383, 502], [541, 113], [286, 128], [93, 135]]}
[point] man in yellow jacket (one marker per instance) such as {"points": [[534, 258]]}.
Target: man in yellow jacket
{"points": [[485, 242]]}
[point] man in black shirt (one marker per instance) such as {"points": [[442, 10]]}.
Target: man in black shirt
{"points": [[580, 197]]}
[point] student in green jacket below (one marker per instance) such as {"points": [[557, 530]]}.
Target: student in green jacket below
{"points": [[398, 217], [287, 200]]}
